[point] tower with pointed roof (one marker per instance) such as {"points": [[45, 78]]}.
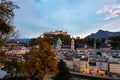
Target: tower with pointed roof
{"points": [[72, 44]]}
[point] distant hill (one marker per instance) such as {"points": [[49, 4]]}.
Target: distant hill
{"points": [[103, 34], [26, 40]]}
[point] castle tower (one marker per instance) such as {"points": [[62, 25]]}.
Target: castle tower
{"points": [[72, 44]]}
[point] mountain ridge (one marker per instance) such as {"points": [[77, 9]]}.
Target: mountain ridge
{"points": [[24, 40], [103, 34]]}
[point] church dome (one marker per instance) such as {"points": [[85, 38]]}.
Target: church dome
{"points": [[58, 42]]}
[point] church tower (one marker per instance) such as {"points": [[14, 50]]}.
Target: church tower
{"points": [[94, 44], [72, 44]]}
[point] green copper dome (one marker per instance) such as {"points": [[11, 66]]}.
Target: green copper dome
{"points": [[58, 42]]}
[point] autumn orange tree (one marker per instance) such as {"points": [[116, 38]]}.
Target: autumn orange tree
{"points": [[40, 61]]}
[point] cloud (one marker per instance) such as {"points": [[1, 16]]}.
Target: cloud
{"points": [[111, 25], [110, 11]]}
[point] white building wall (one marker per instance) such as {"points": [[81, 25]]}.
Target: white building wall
{"points": [[83, 64], [102, 66], [17, 52], [69, 63]]}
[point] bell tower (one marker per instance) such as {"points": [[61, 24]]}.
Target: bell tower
{"points": [[94, 44], [72, 44]]}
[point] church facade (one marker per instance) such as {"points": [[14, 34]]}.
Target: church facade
{"points": [[60, 46]]}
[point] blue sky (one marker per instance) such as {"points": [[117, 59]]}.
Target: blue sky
{"points": [[77, 17]]}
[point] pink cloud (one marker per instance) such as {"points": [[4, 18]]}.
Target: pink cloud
{"points": [[109, 11]]}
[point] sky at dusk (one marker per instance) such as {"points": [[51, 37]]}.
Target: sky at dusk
{"points": [[77, 17]]}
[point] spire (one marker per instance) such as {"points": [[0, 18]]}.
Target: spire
{"points": [[72, 44]]}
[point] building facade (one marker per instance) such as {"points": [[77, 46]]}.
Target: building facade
{"points": [[57, 32], [114, 68]]}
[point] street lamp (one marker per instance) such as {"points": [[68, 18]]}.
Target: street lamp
{"points": [[14, 69]]}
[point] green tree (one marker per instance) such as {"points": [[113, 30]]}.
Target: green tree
{"points": [[6, 16], [6, 28], [13, 67], [64, 73], [6, 10], [40, 61], [115, 42], [33, 41]]}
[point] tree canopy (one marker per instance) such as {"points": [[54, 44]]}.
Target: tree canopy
{"points": [[6, 10], [6, 15], [40, 61], [64, 73]]}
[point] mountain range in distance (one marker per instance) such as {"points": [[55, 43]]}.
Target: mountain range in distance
{"points": [[24, 40], [103, 34], [98, 35]]}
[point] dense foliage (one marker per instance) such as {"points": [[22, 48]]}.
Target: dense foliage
{"points": [[52, 40], [40, 61], [6, 16], [64, 73], [115, 42]]}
